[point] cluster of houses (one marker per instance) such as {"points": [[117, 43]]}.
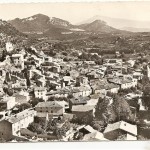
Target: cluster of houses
{"points": [[37, 75]]}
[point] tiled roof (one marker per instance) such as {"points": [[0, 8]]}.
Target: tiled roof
{"points": [[20, 98], [94, 136], [81, 88], [94, 96], [39, 88], [127, 137], [49, 104], [111, 86], [82, 108], [79, 100], [120, 80], [89, 128], [20, 116], [61, 91], [123, 126]]}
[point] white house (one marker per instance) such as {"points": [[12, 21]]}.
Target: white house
{"points": [[18, 60], [10, 126], [50, 108], [121, 128], [9, 47], [40, 92], [128, 84], [125, 82], [7, 103]]}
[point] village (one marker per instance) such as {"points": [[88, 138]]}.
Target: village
{"points": [[45, 98]]}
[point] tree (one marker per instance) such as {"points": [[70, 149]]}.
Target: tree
{"points": [[104, 111], [99, 62], [8, 77], [98, 125], [84, 56], [52, 53], [74, 54], [8, 90], [125, 91], [50, 86], [135, 66], [66, 59], [36, 128], [70, 96], [51, 125], [35, 101], [146, 96], [83, 119], [86, 119], [26, 75], [2, 140], [121, 109], [4, 55], [145, 80], [42, 122], [101, 109], [123, 55], [64, 53], [78, 136], [61, 131], [23, 106]]}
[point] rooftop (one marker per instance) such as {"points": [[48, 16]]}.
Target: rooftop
{"points": [[39, 88], [79, 100], [49, 104], [123, 126], [95, 136], [82, 108], [20, 116]]}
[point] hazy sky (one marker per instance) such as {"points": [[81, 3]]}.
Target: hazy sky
{"points": [[78, 12]]}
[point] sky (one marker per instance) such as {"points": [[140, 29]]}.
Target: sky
{"points": [[78, 12]]}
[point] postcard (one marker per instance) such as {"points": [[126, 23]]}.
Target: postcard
{"points": [[74, 72]]}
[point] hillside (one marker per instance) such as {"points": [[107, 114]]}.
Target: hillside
{"points": [[43, 26], [38, 23], [98, 26], [123, 24], [8, 30]]}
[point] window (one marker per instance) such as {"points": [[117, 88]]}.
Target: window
{"points": [[51, 111]]}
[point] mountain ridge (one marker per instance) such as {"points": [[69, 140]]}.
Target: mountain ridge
{"points": [[121, 23], [98, 26], [41, 25]]}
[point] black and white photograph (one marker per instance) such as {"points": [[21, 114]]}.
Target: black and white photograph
{"points": [[74, 72]]}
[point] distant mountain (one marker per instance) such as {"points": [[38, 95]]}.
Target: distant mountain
{"points": [[121, 23], [98, 26], [39, 23], [43, 26], [136, 29]]}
